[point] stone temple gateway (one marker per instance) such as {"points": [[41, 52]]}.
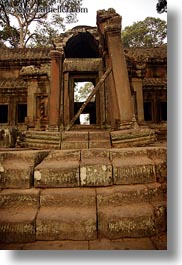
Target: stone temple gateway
{"points": [[66, 185]]}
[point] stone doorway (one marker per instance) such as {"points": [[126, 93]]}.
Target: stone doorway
{"points": [[80, 87]]}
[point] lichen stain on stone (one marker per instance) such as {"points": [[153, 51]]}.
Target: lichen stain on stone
{"points": [[1, 168], [83, 175], [104, 168], [37, 175]]}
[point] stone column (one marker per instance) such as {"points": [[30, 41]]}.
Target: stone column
{"points": [[109, 23], [31, 101], [54, 97], [137, 86]]}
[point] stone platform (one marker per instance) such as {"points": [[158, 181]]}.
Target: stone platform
{"points": [[89, 139], [99, 198]]}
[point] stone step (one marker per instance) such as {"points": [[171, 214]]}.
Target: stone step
{"points": [[59, 169], [48, 141], [66, 223], [73, 197], [16, 168], [134, 220], [133, 170], [53, 174], [39, 146], [43, 135], [29, 156], [16, 198], [133, 137], [17, 226], [128, 194], [74, 140], [67, 145], [75, 136], [16, 174]]}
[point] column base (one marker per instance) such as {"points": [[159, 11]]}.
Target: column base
{"points": [[52, 128]]}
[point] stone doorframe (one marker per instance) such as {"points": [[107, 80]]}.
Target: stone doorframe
{"points": [[82, 69]]}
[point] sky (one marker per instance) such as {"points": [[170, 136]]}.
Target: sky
{"points": [[130, 10]]}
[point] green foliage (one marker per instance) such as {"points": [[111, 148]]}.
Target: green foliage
{"points": [[16, 17], [148, 33], [81, 93], [161, 6]]}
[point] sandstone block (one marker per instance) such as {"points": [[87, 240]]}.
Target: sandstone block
{"points": [[16, 174], [64, 197], [74, 145], [17, 226], [56, 245], [95, 154], [121, 194], [57, 174], [133, 171], [94, 173], [16, 198], [99, 136], [75, 136], [136, 220], [160, 212], [122, 244], [99, 144], [63, 155], [66, 224]]}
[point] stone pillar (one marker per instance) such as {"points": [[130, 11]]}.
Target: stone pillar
{"points": [[137, 86], [109, 23], [54, 97], [66, 100], [31, 101]]}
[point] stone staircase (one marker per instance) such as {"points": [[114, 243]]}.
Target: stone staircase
{"points": [[67, 140], [89, 139], [99, 198]]}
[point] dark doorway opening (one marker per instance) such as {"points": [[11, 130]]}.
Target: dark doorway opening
{"points": [[148, 111], [83, 45], [22, 112], [3, 113], [163, 110]]}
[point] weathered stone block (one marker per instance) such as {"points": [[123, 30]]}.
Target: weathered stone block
{"points": [[130, 152], [16, 198], [99, 144], [160, 241], [16, 174], [74, 145], [17, 225], [63, 155], [133, 171], [121, 195], [99, 136], [122, 244], [56, 245], [96, 154], [66, 224], [74, 197], [75, 136], [161, 170], [94, 173], [54, 174], [160, 212], [136, 220]]}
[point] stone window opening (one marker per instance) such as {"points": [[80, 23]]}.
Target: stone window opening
{"points": [[21, 113], [4, 113]]}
